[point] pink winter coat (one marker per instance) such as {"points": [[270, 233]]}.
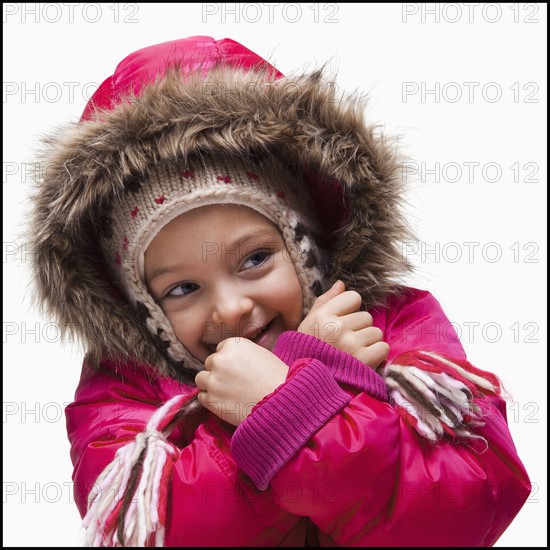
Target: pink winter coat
{"points": [[416, 454], [365, 478]]}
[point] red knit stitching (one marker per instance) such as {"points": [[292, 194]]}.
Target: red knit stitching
{"points": [[135, 211], [160, 200], [225, 179], [431, 364], [448, 429], [164, 481], [175, 408], [466, 365], [113, 518], [187, 174]]}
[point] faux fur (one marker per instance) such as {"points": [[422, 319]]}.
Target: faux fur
{"points": [[231, 111]]}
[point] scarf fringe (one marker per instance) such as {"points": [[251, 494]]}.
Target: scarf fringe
{"points": [[127, 505], [435, 394]]}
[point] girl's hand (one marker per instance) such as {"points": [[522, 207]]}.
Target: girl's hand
{"points": [[336, 319], [238, 375]]}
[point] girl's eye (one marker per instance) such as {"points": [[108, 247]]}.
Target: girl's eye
{"points": [[256, 259], [182, 290]]}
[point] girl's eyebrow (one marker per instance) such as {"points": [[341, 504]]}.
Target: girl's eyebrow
{"points": [[259, 234], [212, 248]]}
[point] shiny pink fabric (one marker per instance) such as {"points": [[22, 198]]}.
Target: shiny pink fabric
{"points": [[189, 54], [366, 478]]}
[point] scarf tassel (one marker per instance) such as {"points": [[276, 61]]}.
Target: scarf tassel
{"points": [[435, 394], [127, 505]]}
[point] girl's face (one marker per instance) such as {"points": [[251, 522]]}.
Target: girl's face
{"points": [[223, 271]]}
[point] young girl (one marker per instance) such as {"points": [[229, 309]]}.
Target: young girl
{"points": [[225, 240]]}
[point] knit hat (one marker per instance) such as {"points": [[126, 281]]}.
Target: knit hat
{"points": [[171, 189]]}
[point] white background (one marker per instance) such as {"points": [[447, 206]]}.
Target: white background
{"points": [[494, 289]]}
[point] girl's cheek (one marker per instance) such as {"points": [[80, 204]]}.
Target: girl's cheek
{"points": [[190, 328], [178, 323]]}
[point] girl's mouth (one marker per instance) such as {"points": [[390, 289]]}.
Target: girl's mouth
{"points": [[265, 337]]}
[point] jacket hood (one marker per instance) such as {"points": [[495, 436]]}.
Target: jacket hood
{"points": [[200, 96]]}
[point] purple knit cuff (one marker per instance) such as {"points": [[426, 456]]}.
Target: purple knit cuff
{"points": [[276, 431], [345, 368]]}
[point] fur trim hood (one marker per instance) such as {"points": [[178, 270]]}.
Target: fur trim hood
{"points": [[188, 98]]}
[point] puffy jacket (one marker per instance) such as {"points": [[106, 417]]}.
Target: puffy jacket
{"points": [[416, 454], [365, 478]]}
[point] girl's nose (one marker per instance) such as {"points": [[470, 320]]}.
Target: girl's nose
{"points": [[231, 310]]}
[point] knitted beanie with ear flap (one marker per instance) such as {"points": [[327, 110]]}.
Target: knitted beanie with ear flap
{"points": [[171, 189]]}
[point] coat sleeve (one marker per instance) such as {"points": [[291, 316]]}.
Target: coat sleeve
{"points": [[205, 487], [370, 476]]}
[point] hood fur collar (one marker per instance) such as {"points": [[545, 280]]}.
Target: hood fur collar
{"points": [[354, 170]]}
